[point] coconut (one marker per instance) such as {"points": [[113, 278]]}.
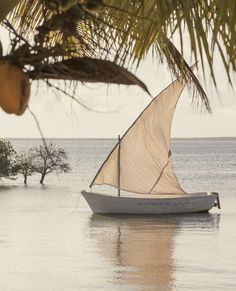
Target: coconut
{"points": [[14, 88]]}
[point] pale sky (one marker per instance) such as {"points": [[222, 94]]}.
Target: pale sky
{"points": [[59, 117]]}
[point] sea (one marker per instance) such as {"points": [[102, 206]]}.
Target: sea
{"points": [[51, 241]]}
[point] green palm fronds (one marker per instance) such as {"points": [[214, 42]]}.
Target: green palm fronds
{"points": [[56, 62], [6, 7], [125, 31], [131, 28]]}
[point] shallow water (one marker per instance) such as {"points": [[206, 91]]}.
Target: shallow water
{"points": [[50, 240]]}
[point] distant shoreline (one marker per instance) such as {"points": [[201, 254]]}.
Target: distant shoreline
{"points": [[110, 138]]}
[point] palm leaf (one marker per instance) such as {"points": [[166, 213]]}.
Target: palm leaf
{"points": [[125, 31], [6, 7], [136, 25], [87, 70]]}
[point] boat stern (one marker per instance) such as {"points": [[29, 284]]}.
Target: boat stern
{"points": [[217, 199]]}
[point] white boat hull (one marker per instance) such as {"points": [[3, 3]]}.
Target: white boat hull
{"points": [[189, 203]]}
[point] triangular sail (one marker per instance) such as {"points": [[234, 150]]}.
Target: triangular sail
{"points": [[145, 150]]}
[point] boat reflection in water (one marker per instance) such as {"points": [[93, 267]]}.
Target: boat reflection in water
{"points": [[142, 248]]}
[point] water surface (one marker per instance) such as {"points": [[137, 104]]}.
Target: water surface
{"points": [[50, 240]]}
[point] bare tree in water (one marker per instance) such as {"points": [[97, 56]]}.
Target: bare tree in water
{"points": [[8, 166], [48, 159], [24, 164]]}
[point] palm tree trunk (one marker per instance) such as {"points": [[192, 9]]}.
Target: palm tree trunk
{"points": [[6, 7]]}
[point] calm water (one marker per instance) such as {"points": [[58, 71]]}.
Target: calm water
{"points": [[49, 239]]}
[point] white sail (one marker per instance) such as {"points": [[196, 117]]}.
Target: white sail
{"points": [[145, 150]]}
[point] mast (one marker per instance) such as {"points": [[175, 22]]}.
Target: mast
{"points": [[118, 164]]}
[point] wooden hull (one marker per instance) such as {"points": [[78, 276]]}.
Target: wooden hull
{"points": [[189, 203]]}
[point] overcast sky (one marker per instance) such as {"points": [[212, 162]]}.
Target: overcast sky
{"points": [[114, 108]]}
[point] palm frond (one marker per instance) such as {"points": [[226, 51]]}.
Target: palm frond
{"points": [[86, 70], [125, 31], [137, 25], [6, 6], [42, 63]]}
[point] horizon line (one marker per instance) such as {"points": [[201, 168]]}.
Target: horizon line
{"points": [[192, 137]]}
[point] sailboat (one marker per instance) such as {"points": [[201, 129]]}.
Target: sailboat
{"points": [[140, 165]]}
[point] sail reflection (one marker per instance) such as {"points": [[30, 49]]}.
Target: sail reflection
{"points": [[142, 247]]}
